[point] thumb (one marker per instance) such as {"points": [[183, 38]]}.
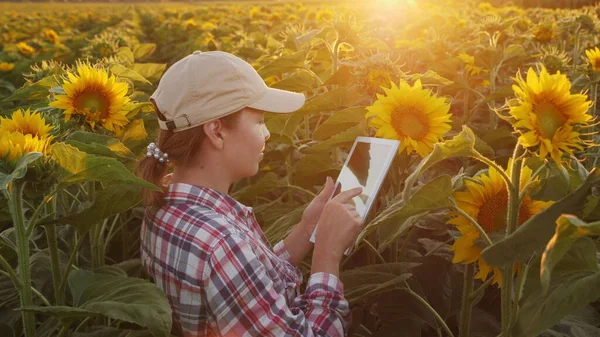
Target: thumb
{"points": [[327, 190]]}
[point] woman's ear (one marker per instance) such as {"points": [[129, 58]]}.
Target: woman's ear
{"points": [[212, 130]]}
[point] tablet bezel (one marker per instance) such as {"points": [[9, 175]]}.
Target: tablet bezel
{"points": [[387, 163]]}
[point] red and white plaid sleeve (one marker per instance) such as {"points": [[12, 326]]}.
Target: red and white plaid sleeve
{"points": [[281, 251], [243, 302]]}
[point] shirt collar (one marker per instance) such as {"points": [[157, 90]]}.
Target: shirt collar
{"points": [[181, 193]]}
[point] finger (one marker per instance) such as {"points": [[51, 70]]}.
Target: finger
{"points": [[349, 207], [347, 195], [326, 191]]}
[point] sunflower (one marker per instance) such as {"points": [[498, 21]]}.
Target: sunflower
{"points": [[92, 93], [189, 24], [324, 15], [412, 115], [6, 67], [544, 32], [27, 123], [25, 49], [51, 35], [14, 145], [376, 78], [594, 58], [548, 115], [487, 202], [470, 66]]}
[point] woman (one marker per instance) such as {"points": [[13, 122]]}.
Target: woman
{"points": [[205, 249]]}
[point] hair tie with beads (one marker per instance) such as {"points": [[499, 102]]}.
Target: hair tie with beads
{"points": [[154, 151]]}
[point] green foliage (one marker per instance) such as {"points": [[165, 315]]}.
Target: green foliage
{"points": [[123, 298]]}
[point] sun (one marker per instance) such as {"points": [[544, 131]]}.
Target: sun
{"points": [[412, 115], [91, 92], [548, 116], [486, 201]]}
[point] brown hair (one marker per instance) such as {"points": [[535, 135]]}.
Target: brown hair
{"points": [[181, 147]]}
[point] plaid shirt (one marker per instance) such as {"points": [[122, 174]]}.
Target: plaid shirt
{"points": [[222, 276]]}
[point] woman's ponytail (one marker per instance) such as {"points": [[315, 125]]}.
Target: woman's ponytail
{"points": [[182, 147]]}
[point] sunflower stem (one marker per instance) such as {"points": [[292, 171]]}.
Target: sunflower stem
{"points": [[466, 309], [521, 277], [11, 273], [375, 251], [530, 181], [53, 248], [430, 308], [473, 222], [512, 221], [481, 289], [400, 253], [25, 293], [497, 167], [72, 262], [38, 211]]}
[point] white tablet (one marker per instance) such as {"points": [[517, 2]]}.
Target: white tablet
{"points": [[366, 166]]}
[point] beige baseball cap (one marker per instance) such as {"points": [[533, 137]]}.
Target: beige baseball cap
{"points": [[205, 86]]}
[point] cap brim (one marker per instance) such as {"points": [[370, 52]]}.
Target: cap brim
{"points": [[279, 101]]}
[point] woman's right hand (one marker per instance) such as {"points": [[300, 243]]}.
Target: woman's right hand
{"points": [[339, 226]]}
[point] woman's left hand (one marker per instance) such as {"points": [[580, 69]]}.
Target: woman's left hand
{"points": [[313, 211]]}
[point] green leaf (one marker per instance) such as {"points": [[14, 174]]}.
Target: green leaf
{"points": [[431, 78], [281, 228], [341, 77], [149, 71], [284, 64], [332, 100], [143, 50], [568, 229], [121, 71], [372, 279], [262, 186], [535, 233], [513, 50], [19, 170], [110, 201], [394, 220], [79, 166], [301, 81], [574, 284], [125, 54], [61, 312], [106, 331], [28, 93], [465, 144], [347, 136], [308, 36], [273, 44], [122, 298], [462, 145], [101, 145], [340, 121]]}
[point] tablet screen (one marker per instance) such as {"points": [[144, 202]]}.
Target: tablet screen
{"points": [[365, 168]]}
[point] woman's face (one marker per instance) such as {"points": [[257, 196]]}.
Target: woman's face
{"points": [[246, 144]]}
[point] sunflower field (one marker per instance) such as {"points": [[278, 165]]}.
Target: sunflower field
{"points": [[488, 223]]}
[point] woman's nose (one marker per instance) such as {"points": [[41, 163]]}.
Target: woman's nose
{"points": [[266, 132]]}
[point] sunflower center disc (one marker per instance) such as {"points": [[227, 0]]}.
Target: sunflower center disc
{"points": [[410, 122], [549, 119], [92, 102], [492, 214]]}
